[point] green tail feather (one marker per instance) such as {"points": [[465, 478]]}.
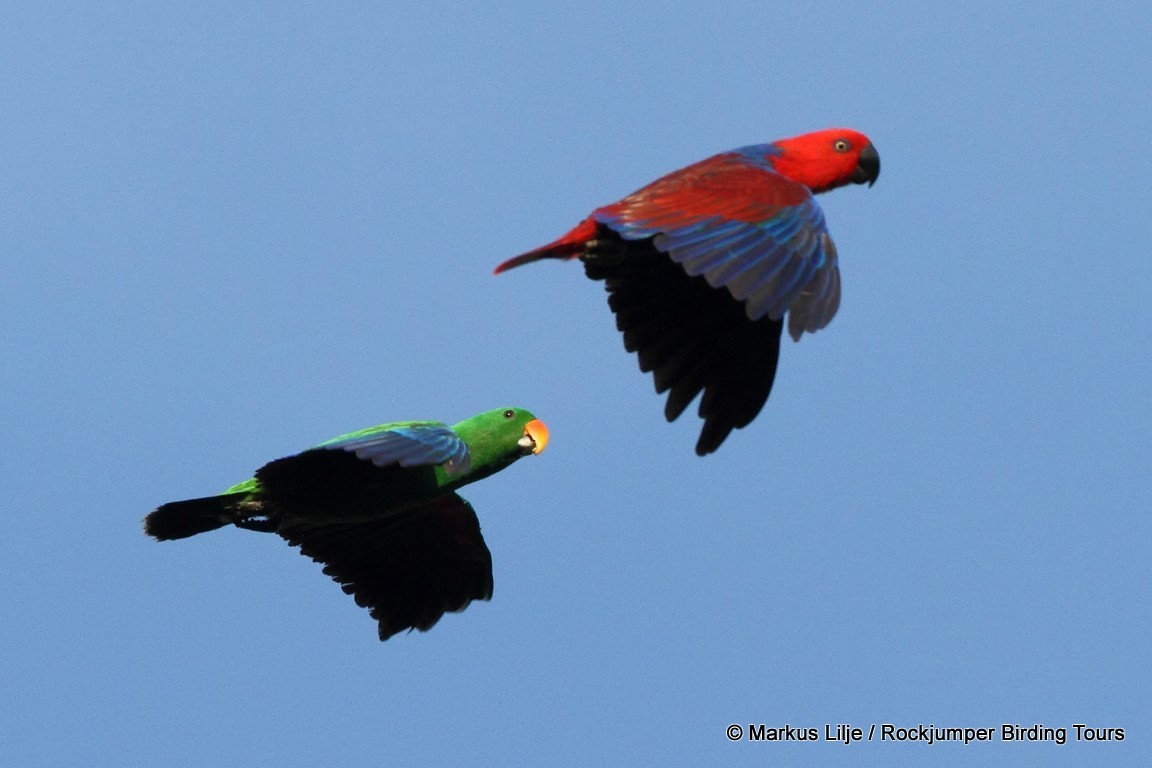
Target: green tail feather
{"points": [[181, 519]]}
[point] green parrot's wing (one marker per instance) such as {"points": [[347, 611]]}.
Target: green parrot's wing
{"points": [[409, 444], [409, 568]]}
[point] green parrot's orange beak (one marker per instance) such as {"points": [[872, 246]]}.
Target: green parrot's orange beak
{"points": [[537, 433]]}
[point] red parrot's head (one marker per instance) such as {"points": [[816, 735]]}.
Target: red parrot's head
{"points": [[828, 159]]}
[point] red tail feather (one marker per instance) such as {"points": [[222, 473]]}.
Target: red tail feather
{"points": [[568, 247]]}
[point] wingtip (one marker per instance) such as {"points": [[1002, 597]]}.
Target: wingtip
{"points": [[711, 437], [705, 450]]}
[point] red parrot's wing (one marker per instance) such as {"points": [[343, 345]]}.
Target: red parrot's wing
{"points": [[744, 228], [691, 337]]}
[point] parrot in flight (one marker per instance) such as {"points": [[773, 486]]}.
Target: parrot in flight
{"points": [[379, 509], [702, 265]]}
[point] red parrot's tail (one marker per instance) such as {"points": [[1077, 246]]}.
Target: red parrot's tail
{"points": [[568, 247]]}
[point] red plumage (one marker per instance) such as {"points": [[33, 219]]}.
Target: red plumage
{"points": [[737, 231]]}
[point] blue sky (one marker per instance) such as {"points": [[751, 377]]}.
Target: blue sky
{"points": [[228, 233]]}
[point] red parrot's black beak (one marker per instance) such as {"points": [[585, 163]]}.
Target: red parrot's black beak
{"points": [[867, 166]]}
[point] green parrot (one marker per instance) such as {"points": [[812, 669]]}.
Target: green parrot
{"points": [[379, 509]]}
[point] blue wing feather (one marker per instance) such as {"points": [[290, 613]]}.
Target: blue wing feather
{"points": [[622, 223], [748, 282], [714, 252], [733, 220], [770, 265], [713, 235], [817, 302], [703, 260], [783, 227], [409, 445]]}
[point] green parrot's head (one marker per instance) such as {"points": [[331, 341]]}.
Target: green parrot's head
{"points": [[499, 437]]}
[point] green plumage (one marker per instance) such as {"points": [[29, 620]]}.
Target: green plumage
{"points": [[379, 508]]}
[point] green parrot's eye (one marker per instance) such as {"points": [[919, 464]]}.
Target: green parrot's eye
{"points": [[841, 145], [509, 413]]}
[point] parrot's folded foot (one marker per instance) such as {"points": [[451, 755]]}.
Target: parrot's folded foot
{"points": [[607, 249], [250, 516], [261, 524]]}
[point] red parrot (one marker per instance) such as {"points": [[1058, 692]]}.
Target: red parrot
{"points": [[701, 266]]}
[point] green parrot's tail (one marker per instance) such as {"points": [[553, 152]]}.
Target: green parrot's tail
{"points": [[181, 519]]}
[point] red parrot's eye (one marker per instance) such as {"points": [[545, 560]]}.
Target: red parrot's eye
{"points": [[841, 145]]}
